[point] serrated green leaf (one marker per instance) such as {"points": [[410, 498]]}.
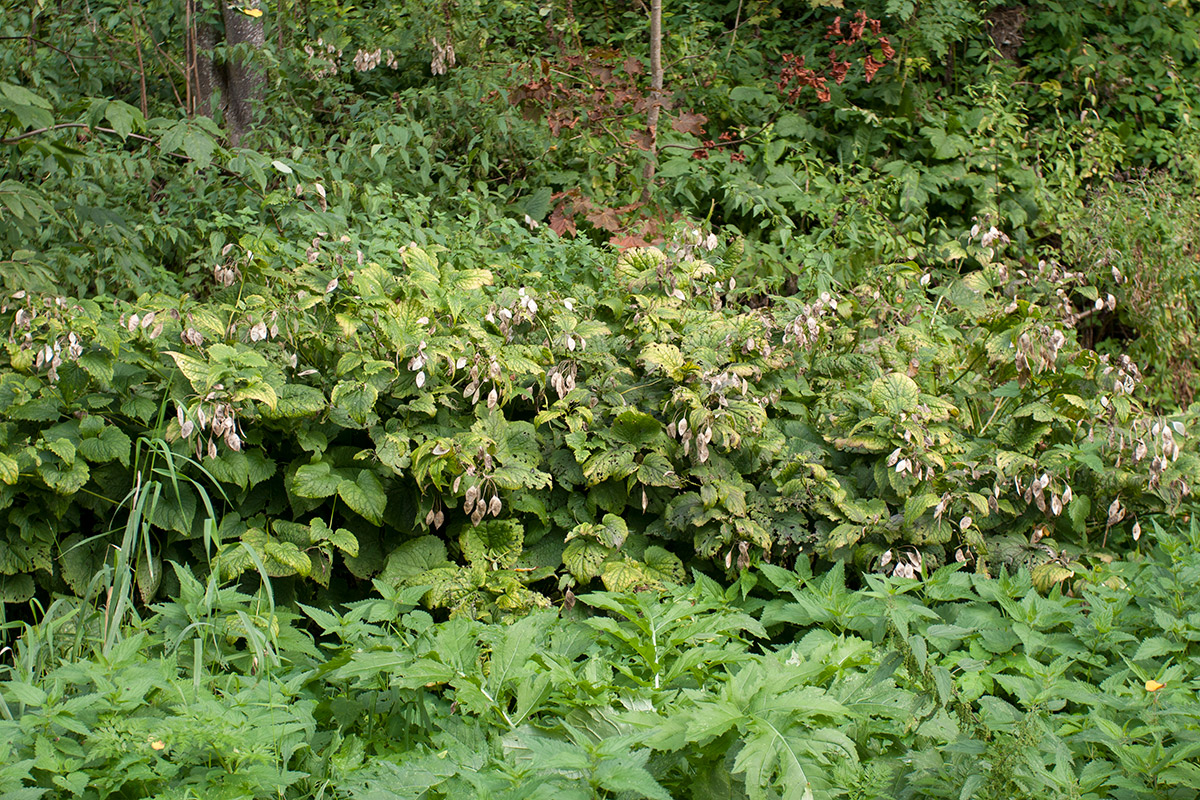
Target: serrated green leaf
{"points": [[286, 558], [917, 504], [1045, 576], [584, 557], [196, 371], [895, 393], [64, 449], [657, 470], [636, 428], [63, 479], [624, 575], [297, 400], [9, 470], [316, 481], [258, 390], [107, 443], [16, 588], [365, 496], [80, 561], [496, 542], [663, 565], [663, 358], [409, 562], [609, 464], [356, 400], [471, 280]]}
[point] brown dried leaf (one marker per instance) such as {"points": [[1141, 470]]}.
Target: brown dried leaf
{"points": [[561, 224], [605, 218], [642, 139], [687, 122]]}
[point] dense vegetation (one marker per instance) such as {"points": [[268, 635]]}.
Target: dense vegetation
{"points": [[518, 403]]}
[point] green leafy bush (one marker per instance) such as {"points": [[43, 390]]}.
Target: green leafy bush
{"points": [[320, 413]]}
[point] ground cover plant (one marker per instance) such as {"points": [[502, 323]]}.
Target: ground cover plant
{"points": [[673, 400], [786, 684]]}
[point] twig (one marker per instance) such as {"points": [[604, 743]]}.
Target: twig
{"points": [[737, 23], [722, 144], [137, 44]]}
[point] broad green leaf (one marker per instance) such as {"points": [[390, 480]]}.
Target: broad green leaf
{"points": [[63, 448], [635, 427], [199, 147], [196, 371], [149, 575], [258, 390], [80, 561], [624, 575], [917, 504], [497, 542], [663, 358], [296, 400], [663, 565], [65, 479], [100, 442], [471, 280], [345, 541], [657, 470], [316, 480], [609, 464], [365, 496], [16, 588], [411, 560], [584, 557], [1047, 575], [356, 399], [286, 558], [895, 393], [9, 471]]}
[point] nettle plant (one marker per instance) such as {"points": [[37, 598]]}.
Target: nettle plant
{"points": [[421, 422]]}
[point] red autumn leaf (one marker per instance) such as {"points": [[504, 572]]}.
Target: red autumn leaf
{"points": [[687, 122], [628, 241], [871, 66]]}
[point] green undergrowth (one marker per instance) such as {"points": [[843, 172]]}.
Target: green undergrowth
{"points": [[785, 684]]}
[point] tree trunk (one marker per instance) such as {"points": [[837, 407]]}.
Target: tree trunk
{"points": [[233, 86], [656, 90]]}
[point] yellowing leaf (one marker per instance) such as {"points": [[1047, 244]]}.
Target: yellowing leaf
{"points": [[252, 12], [1153, 685]]}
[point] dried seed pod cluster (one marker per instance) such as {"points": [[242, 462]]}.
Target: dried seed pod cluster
{"points": [[1158, 441], [809, 324], [1124, 374], [1037, 351], [689, 436], [212, 420], [477, 378], [906, 564]]}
